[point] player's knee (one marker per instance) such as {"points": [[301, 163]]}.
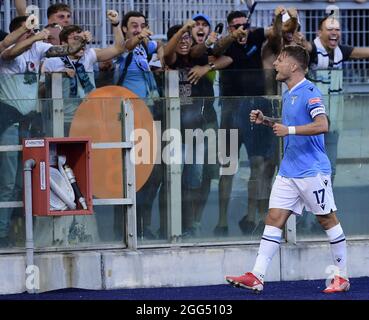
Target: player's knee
{"points": [[328, 221], [275, 219]]}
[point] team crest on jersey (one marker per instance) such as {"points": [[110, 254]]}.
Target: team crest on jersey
{"points": [[293, 99]]}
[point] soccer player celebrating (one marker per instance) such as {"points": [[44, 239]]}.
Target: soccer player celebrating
{"points": [[304, 175]]}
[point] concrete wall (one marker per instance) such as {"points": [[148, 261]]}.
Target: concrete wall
{"points": [[179, 267], [174, 267], [313, 261], [56, 271]]}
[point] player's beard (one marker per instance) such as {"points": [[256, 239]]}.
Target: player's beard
{"points": [[280, 77]]}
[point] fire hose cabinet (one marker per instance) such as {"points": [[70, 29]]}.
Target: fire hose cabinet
{"points": [[61, 178]]}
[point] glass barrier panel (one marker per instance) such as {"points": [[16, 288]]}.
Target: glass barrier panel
{"points": [[203, 171], [98, 119], [228, 168], [347, 148]]}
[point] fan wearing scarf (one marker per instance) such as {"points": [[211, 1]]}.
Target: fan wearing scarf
{"points": [[133, 72], [133, 68], [79, 66], [327, 57]]}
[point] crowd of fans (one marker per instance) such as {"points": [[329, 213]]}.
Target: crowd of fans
{"points": [[242, 59]]}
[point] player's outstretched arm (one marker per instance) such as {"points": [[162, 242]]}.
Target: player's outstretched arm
{"points": [[268, 121], [257, 117], [318, 126]]}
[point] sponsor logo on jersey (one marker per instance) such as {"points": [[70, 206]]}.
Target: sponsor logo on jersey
{"points": [[315, 100]]}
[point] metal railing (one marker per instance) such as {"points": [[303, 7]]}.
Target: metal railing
{"points": [[164, 13], [353, 146]]}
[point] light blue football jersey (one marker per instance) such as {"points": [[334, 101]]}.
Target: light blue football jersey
{"points": [[304, 156]]}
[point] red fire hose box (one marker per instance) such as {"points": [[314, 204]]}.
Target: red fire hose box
{"points": [[61, 179]]}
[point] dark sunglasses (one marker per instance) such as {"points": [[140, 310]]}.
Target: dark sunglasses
{"points": [[236, 26]]}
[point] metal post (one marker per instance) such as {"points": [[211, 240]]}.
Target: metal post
{"points": [[43, 17], [28, 166], [57, 101], [291, 229], [103, 24], [129, 177], [173, 172], [7, 18]]}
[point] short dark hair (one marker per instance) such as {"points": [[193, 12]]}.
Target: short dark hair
{"points": [[56, 7], [235, 14], [299, 53], [64, 34], [16, 23], [131, 14], [173, 30]]}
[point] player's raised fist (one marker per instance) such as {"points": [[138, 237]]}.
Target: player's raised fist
{"points": [[256, 116]]}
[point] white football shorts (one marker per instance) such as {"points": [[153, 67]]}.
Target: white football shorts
{"points": [[313, 193]]}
